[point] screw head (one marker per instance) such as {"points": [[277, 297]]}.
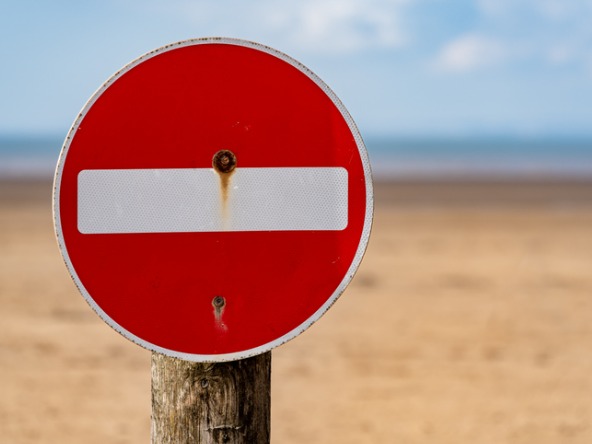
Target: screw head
{"points": [[224, 161], [218, 302]]}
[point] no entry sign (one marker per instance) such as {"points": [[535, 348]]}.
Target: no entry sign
{"points": [[213, 199]]}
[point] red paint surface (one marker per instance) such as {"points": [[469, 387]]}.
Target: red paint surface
{"points": [[176, 110]]}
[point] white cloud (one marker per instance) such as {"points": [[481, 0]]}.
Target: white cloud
{"points": [[554, 32], [320, 26], [558, 9], [493, 7], [560, 54], [469, 53], [339, 25], [549, 9]]}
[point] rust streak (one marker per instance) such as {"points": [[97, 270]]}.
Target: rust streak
{"points": [[219, 303], [225, 180], [224, 162]]}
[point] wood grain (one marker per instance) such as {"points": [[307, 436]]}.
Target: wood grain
{"points": [[209, 403]]}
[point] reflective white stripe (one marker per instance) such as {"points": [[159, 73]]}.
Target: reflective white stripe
{"points": [[194, 200]]}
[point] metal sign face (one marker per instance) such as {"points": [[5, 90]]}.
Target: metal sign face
{"points": [[213, 199]]}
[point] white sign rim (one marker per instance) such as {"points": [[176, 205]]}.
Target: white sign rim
{"points": [[368, 217]]}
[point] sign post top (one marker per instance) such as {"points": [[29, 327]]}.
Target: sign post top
{"points": [[213, 199]]}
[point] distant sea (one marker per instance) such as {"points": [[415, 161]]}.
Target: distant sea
{"points": [[391, 157], [481, 157]]}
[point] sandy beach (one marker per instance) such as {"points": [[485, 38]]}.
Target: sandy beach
{"points": [[469, 321]]}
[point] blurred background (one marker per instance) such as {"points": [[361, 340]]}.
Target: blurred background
{"points": [[470, 319], [436, 87]]}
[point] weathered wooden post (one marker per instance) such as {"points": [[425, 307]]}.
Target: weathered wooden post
{"points": [[212, 200], [207, 403]]}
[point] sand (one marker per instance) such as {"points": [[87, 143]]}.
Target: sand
{"points": [[469, 321]]}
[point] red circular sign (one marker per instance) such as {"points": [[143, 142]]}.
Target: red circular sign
{"points": [[191, 262]]}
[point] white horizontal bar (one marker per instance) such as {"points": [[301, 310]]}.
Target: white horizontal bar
{"points": [[193, 200]]}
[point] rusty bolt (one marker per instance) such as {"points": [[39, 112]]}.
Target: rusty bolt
{"points": [[224, 161], [218, 302]]}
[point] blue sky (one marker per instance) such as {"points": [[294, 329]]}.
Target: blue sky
{"points": [[402, 67]]}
